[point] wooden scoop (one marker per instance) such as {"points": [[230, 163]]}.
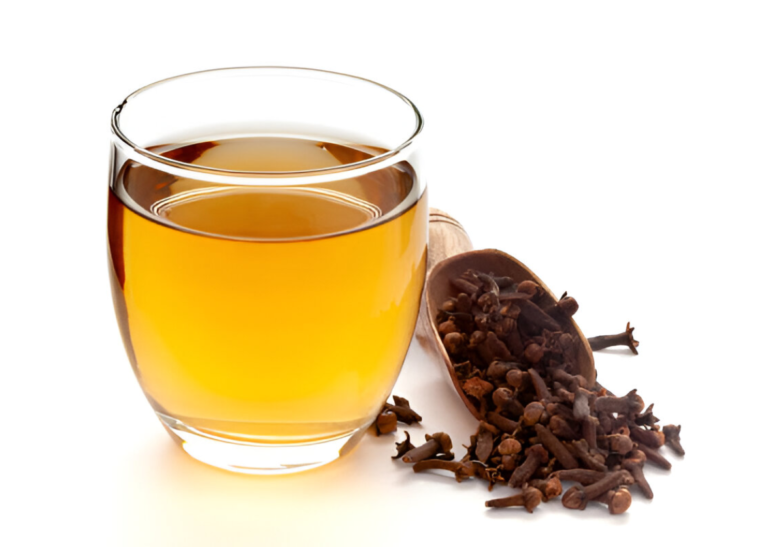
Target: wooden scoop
{"points": [[450, 255]]}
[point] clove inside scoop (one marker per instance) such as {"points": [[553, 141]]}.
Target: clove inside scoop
{"points": [[439, 289]]}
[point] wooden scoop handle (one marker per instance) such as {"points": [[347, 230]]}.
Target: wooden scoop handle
{"points": [[447, 238]]}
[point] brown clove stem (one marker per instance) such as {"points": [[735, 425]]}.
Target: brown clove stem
{"points": [[437, 444], [654, 456], [577, 496], [530, 499], [465, 286], [402, 409], [629, 405], [581, 450], [535, 457], [649, 437], [634, 464], [672, 438], [534, 320], [403, 447], [485, 434], [459, 469], [550, 488], [503, 423], [582, 476], [542, 391], [622, 339], [557, 448]]}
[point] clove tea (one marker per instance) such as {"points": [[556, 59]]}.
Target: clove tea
{"points": [[268, 314]]}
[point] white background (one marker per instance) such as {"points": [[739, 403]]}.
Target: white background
{"points": [[617, 148]]}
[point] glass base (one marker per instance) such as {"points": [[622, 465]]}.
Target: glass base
{"points": [[259, 458]]}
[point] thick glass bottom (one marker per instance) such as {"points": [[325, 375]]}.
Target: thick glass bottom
{"points": [[259, 458]]}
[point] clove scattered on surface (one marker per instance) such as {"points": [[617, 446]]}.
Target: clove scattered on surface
{"points": [[530, 498], [390, 414], [672, 438], [403, 447], [541, 422], [622, 339], [386, 422], [438, 446]]}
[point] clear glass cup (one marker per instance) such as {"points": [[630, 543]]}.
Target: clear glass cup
{"points": [[267, 236]]}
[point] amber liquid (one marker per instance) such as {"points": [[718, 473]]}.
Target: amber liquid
{"points": [[267, 314]]}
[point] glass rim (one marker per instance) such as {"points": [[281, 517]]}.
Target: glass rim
{"points": [[217, 174]]}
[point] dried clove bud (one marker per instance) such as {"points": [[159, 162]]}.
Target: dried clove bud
{"points": [[438, 444], [503, 423], [511, 310], [488, 301], [533, 353], [631, 404], [403, 447], [465, 286], [497, 348], [460, 469], [449, 305], [464, 303], [557, 448], [542, 391], [476, 338], [550, 488], [672, 438], [622, 339], [503, 282], [634, 464], [646, 417], [518, 379], [581, 410], [577, 496], [485, 435], [532, 413], [559, 409], [509, 446], [534, 320], [620, 444], [447, 327], [654, 457], [498, 370], [649, 437], [504, 399], [477, 388], [562, 429], [535, 457], [454, 343], [402, 409], [386, 422], [528, 287], [582, 476], [563, 309], [567, 306], [530, 499], [618, 500], [589, 431], [580, 449], [573, 382]]}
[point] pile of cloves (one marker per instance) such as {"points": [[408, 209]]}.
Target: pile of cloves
{"points": [[542, 423]]}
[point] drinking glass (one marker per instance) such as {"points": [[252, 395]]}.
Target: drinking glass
{"points": [[267, 234]]}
